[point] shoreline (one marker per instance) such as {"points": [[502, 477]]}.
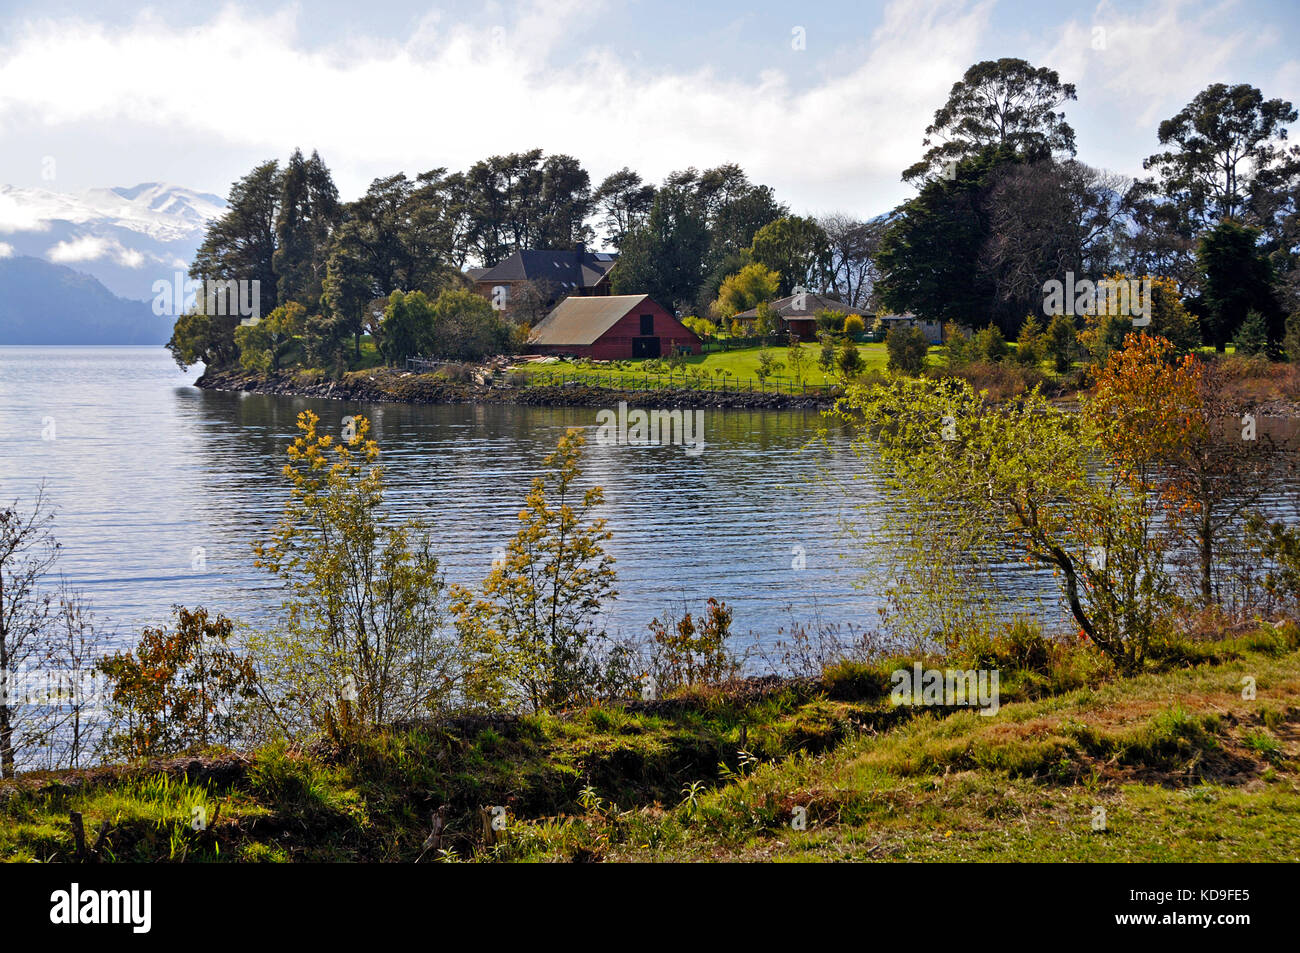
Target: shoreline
{"points": [[389, 385], [393, 386]]}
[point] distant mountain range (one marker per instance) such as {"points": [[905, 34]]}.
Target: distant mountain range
{"points": [[44, 303], [75, 266]]}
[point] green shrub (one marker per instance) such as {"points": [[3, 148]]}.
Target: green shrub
{"points": [[1059, 342], [959, 349], [1176, 650], [990, 346], [1029, 345], [1252, 336], [1025, 647], [832, 321], [999, 382], [907, 348], [848, 680], [826, 357], [849, 359]]}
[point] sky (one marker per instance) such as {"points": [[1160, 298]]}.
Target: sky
{"points": [[825, 102]]}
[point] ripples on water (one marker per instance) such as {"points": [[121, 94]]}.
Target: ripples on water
{"points": [[145, 469]]}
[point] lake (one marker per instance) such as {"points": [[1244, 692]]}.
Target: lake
{"points": [[160, 489]]}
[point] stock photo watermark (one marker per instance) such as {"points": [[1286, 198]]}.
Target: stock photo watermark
{"points": [[86, 689], [75, 906], [226, 297], [654, 428], [1126, 298], [920, 686]]}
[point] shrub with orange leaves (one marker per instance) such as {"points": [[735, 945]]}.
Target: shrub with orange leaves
{"points": [[182, 689], [1165, 424]]}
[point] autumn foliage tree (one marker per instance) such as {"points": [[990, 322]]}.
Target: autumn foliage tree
{"points": [[686, 652], [1167, 423], [182, 689]]}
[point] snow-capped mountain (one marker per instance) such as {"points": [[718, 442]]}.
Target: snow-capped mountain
{"points": [[127, 238]]}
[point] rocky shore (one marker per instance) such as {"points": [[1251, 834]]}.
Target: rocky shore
{"points": [[388, 384]]}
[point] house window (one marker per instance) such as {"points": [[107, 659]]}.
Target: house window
{"points": [[647, 325]]}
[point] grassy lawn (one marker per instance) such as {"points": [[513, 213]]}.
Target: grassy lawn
{"points": [[739, 366]]}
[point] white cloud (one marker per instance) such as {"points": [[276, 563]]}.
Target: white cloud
{"points": [[454, 93], [130, 258], [1139, 66], [20, 216], [93, 248], [79, 249], [6, 251]]}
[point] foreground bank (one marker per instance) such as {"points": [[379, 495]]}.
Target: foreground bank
{"points": [[1179, 763]]}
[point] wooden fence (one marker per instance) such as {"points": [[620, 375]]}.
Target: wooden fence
{"points": [[422, 365]]}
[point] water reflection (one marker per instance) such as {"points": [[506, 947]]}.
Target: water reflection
{"points": [[150, 473]]}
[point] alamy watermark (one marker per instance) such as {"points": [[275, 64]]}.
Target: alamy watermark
{"points": [[74, 906], [950, 687], [1126, 298], [224, 297], [85, 688], [654, 428]]}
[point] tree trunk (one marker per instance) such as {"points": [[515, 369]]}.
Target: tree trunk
{"points": [[6, 737], [1207, 559]]}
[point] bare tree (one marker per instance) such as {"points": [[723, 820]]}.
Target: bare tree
{"points": [[530, 301], [72, 653], [1048, 218], [28, 552], [853, 271], [49, 647]]}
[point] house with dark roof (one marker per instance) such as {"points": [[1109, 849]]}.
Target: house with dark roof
{"points": [[612, 328], [799, 313], [558, 274]]}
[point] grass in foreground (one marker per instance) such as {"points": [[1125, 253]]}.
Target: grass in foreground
{"points": [[1183, 767]]}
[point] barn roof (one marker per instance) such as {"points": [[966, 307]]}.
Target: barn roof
{"points": [[581, 321]]}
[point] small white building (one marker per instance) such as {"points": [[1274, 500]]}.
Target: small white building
{"points": [[933, 330]]}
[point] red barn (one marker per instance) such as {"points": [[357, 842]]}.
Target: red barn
{"points": [[612, 328]]}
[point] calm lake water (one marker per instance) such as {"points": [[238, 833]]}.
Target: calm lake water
{"points": [[161, 488], [147, 472]]}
